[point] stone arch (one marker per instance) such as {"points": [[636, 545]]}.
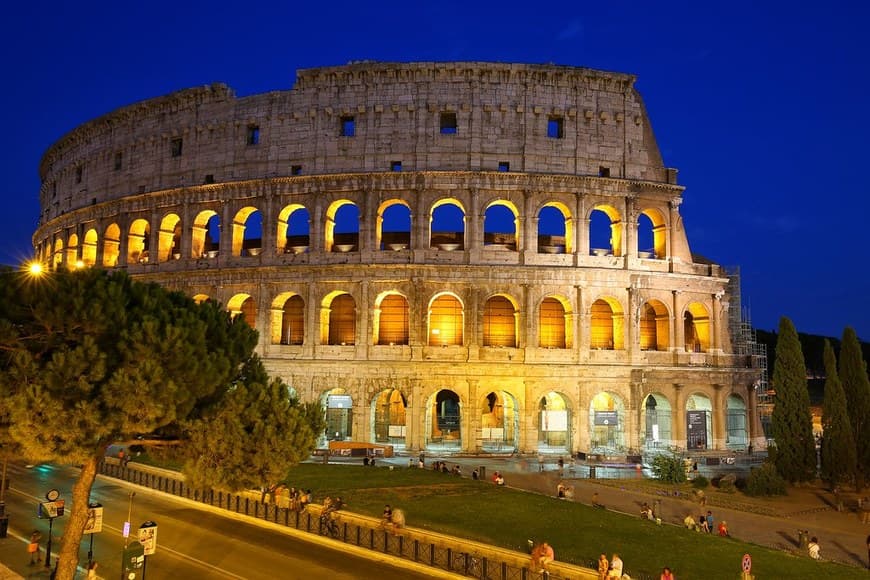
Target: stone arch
{"points": [[737, 426], [393, 226], [389, 417], [696, 327], [501, 225], [446, 320], [555, 229], [654, 325], [72, 252], [599, 231], [288, 319], [391, 319], [169, 238], [293, 234], [338, 319], [89, 248], [606, 324], [245, 305], [138, 241], [205, 235], [57, 254], [554, 424], [443, 422], [554, 323], [500, 323], [652, 240], [247, 232], [657, 430], [200, 298], [699, 422], [607, 423], [499, 422], [341, 230], [449, 216], [111, 245], [337, 404]]}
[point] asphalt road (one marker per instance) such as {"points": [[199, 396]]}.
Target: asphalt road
{"points": [[191, 543]]}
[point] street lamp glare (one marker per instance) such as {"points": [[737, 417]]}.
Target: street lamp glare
{"points": [[35, 268]]}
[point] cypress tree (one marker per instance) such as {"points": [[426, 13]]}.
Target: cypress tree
{"points": [[791, 421], [853, 374], [838, 445]]}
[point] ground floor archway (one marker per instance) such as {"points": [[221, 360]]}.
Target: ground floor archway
{"points": [[699, 422], [443, 423], [499, 423], [338, 405], [607, 424], [656, 417], [554, 424], [389, 418], [737, 430]]}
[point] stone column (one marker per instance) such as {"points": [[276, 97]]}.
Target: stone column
{"points": [[678, 417], [679, 334], [720, 407], [471, 418]]}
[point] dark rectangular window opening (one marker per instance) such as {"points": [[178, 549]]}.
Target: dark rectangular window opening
{"points": [[253, 135], [119, 159], [295, 170], [175, 146], [603, 171], [556, 128], [348, 126], [209, 178], [504, 166], [396, 166], [448, 123], [79, 174]]}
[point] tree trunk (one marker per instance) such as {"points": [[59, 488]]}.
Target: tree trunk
{"points": [[68, 559]]}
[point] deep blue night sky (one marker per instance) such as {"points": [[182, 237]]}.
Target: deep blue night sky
{"points": [[762, 106]]}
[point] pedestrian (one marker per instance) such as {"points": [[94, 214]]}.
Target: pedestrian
{"points": [[813, 548], [542, 555], [616, 566], [33, 547], [723, 528], [603, 566], [709, 522], [475, 475], [666, 574], [595, 502], [561, 467], [92, 571]]}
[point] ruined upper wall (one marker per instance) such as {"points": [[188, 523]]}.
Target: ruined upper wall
{"points": [[502, 113]]}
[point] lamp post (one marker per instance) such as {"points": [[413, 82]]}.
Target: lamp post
{"points": [[129, 519]]}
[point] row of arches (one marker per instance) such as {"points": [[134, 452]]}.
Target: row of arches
{"points": [[496, 422], [446, 322], [446, 224]]}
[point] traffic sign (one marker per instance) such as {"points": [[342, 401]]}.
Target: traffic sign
{"points": [[747, 563], [51, 509]]}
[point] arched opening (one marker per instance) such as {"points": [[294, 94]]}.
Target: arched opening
{"points": [[72, 252], [699, 422], [499, 423], [696, 328], [606, 424], [443, 422], [499, 322], [651, 235], [737, 432], [553, 322], [554, 229], [89, 248], [138, 242], [389, 417], [340, 310], [111, 246], [657, 422], [447, 228], [342, 227], [205, 235], [243, 304], [446, 321], [554, 427], [288, 319], [500, 226], [393, 228], [338, 405], [248, 232], [200, 298], [169, 238], [391, 319], [57, 254], [607, 325], [293, 230], [605, 231], [654, 322]]}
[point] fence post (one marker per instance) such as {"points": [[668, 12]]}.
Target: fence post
{"points": [[416, 550]]}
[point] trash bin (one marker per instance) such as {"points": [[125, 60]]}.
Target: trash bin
{"points": [[591, 472], [4, 526], [481, 472], [803, 539]]}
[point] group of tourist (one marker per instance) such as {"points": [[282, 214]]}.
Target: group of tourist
{"points": [[610, 569], [705, 524], [286, 497]]}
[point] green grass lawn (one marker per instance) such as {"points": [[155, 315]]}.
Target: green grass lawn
{"points": [[578, 533]]}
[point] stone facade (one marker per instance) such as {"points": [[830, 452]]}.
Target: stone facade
{"points": [[466, 337]]}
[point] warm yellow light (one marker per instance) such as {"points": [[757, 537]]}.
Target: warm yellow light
{"points": [[79, 264], [35, 268]]}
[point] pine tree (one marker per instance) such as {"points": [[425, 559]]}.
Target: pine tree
{"points": [[88, 358], [853, 374], [838, 444], [791, 421]]}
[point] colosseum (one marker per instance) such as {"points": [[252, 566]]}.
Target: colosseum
{"points": [[451, 257]]}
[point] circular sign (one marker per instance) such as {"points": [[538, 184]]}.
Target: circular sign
{"points": [[747, 563], [52, 494]]}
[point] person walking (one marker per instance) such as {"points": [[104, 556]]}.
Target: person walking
{"points": [[33, 547], [603, 566], [92, 571]]}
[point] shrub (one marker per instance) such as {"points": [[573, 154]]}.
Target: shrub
{"points": [[700, 482], [669, 469], [765, 480]]}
